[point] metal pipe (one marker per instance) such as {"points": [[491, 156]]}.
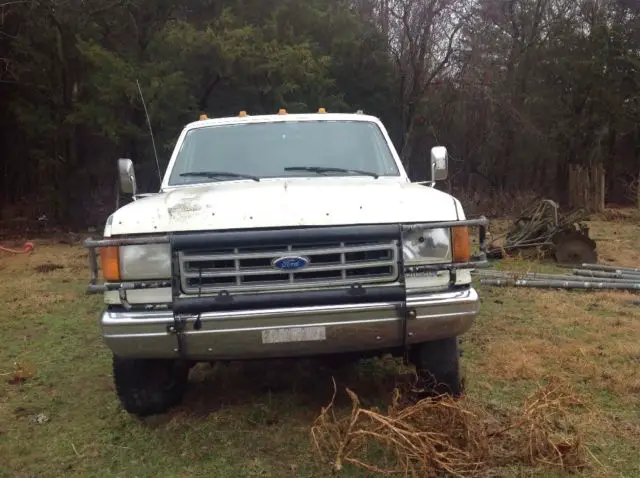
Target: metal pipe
{"points": [[551, 284], [609, 275], [533, 276], [480, 221], [97, 288], [126, 241], [479, 262], [93, 266], [602, 267]]}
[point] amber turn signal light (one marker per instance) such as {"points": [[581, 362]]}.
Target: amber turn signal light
{"points": [[461, 244], [110, 263]]}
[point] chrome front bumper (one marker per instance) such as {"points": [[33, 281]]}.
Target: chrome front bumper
{"points": [[291, 331]]}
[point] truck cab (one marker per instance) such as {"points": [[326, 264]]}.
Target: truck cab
{"points": [[285, 235]]}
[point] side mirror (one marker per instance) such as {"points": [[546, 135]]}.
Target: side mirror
{"points": [[439, 163], [126, 177], [127, 188]]}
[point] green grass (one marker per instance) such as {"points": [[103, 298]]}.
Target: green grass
{"points": [[253, 419]]}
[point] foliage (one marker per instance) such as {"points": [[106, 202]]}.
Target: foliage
{"points": [[516, 89]]}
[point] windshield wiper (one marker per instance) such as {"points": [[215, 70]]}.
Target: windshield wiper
{"points": [[323, 169], [216, 174]]}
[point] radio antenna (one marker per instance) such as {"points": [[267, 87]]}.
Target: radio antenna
{"points": [[155, 152]]}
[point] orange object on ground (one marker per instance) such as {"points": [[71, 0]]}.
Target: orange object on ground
{"points": [[28, 247]]}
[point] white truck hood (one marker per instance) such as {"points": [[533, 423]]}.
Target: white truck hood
{"points": [[284, 203]]}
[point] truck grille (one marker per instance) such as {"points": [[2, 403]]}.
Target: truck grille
{"points": [[251, 269]]}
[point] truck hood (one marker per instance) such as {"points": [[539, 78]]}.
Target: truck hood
{"points": [[284, 203]]}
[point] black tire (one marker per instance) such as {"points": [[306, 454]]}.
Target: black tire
{"points": [[438, 367], [149, 386]]}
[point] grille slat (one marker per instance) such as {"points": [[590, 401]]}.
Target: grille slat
{"points": [[236, 265], [343, 261], [282, 251], [249, 269], [264, 270]]}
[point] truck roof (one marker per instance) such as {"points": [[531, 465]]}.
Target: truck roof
{"points": [[285, 117]]}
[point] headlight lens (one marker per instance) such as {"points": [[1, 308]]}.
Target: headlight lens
{"points": [[427, 246], [150, 261]]}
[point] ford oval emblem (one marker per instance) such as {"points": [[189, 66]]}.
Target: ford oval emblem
{"points": [[288, 263]]}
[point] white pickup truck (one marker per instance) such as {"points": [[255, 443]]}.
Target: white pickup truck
{"points": [[285, 235]]}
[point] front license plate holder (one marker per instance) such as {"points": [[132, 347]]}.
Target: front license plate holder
{"points": [[294, 334]]}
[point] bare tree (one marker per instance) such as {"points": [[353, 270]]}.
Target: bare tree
{"points": [[422, 40]]}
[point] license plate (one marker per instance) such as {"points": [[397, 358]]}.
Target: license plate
{"points": [[294, 334]]}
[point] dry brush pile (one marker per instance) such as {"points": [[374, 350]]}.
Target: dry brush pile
{"points": [[436, 435]]}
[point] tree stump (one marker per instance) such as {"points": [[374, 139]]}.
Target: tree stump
{"points": [[587, 187]]}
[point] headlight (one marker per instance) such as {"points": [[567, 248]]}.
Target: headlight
{"points": [[150, 261], [427, 246]]}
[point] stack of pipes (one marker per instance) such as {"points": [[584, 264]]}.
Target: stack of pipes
{"points": [[584, 276]]}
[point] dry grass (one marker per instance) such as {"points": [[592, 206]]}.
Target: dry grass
{"points": [[618, 240], [438, 435], [59, 415], [589, 336], [589, 340]]}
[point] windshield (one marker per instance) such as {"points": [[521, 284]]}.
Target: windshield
{"points": [[283, 149]]}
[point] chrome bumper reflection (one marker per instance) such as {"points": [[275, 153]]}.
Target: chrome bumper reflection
{"points": [[295, 331]]}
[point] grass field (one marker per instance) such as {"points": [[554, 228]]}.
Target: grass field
{"points": [[59, 415]]}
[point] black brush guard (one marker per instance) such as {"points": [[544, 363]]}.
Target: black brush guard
{"points": [[184, 307]]}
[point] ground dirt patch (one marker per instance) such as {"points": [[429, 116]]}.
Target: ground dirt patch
{"points": [[59, 415]]}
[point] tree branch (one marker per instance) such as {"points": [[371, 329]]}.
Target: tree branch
{"points": [[443, 63], [204, 99]]}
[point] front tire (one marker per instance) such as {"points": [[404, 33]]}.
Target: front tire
{"points": [[438, 367], [149, 386]]}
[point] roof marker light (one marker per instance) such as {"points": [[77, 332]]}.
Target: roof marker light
{"points": [[322, 110], [242, 114]]}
